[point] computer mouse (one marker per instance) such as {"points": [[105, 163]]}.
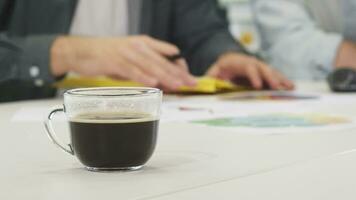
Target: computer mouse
{"points": [[342, 80]]}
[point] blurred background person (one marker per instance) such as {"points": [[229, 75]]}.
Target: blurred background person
{"points": [[307, 39], [100, 38]]}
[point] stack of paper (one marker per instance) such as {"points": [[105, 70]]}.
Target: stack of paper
{"points": [[205, 84]]}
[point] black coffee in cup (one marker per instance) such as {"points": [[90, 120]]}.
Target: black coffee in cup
{"points": [[113, 140]]}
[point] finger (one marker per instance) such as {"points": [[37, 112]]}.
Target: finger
{"points": [[133, 73], [182, 63], [162, 47], [269, 76], [254, 76], [182, 71], [217, 71], [179, 72], [192, 81], [213, 71], [179, 67], [148, 66], [288, 85], [164, 79], [167, 90]]}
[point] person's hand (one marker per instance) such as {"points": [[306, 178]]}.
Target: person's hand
{"points": [[138, 58], [346, 55], [235, 66]]}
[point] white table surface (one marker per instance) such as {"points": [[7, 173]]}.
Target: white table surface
{"points": [[190, 162]]}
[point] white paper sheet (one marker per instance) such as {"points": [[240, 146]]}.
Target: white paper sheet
{"points": [[187, 109], [34, 114]]}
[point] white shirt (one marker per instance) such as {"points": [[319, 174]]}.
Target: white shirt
{"points": [[301, 37], [327, 14], [100, 18]]}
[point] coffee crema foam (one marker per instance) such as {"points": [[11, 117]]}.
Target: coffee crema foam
{"points": [[113, 117]]}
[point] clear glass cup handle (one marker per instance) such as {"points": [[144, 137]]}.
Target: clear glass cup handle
{"points": [[51, 134]]}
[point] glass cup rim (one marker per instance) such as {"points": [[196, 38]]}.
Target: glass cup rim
{"points": [[135, 92]]}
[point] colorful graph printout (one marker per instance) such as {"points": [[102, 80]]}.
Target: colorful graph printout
{"points": [[276, 120], [268, 95]]}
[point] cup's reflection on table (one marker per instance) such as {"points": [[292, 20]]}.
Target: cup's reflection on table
{"points": [[110, 128]]}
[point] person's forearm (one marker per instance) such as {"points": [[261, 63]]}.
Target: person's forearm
{"points": [[59, 56], [346, 56], [285, 46]]}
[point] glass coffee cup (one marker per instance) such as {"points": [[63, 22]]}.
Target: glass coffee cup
{"points": [[111, 128]]}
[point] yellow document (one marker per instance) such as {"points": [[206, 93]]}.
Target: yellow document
{"points": [[205, 85]]}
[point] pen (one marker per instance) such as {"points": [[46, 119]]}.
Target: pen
{"points": [[186, 108], [175, 57]]}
